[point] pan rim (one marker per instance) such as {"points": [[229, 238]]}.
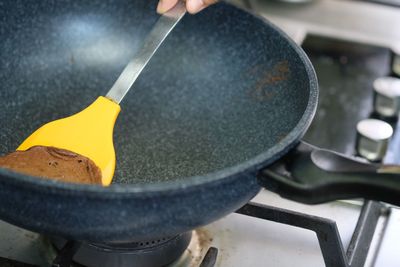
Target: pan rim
{"points": [[253, 165]]}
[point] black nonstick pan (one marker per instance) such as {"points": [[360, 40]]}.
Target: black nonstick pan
{"points": [[227, 95]]}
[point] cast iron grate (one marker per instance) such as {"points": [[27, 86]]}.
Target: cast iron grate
{"points": [[327, 233]]}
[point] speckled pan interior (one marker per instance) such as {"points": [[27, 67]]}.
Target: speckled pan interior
{"points": [[219, 91]]}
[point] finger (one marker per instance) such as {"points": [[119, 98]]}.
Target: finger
{"points": [[165, 5], [194, 6]]}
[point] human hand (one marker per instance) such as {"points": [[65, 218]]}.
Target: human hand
{"points": [[192, 6]]}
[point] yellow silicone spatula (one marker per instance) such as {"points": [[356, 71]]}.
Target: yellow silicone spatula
{"points": [[90, 132]]}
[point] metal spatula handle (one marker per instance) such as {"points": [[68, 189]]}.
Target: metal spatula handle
{"points": [[151, 43]]}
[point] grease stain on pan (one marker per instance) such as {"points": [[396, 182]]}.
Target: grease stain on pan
{"points": [[263, 89], [280, 136]]}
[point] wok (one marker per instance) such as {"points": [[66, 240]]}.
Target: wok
{"points": [[227, 95]]}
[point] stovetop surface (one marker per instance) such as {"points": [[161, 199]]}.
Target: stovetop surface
{"points": [[345, 71]]}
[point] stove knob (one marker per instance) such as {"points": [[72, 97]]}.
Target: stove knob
{"points": [[387, 96], [396, 61], [373, 138]]}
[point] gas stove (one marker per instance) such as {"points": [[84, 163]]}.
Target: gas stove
{"points": [[351, 44]]}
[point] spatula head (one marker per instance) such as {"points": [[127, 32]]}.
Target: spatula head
{"points": [[88, 133]]}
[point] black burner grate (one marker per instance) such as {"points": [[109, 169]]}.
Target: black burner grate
{"points": [[326, 230]]}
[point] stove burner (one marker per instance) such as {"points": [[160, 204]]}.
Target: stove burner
{"points": [[151, 253]]}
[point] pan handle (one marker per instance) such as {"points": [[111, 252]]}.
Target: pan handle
{"points": [[312, 175]]}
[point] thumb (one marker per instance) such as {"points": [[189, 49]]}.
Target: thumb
{"points": [[194, 6], [165, 5]]}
